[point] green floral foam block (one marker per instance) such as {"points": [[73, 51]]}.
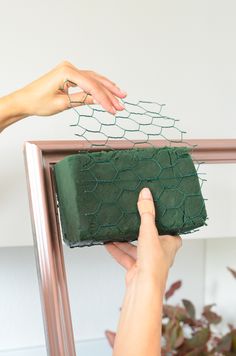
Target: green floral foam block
{"points": [[98, 191]]}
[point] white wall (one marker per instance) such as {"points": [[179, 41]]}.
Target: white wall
{"points": [[219, 191], [181, 53], [220, 285], [96, 288]]}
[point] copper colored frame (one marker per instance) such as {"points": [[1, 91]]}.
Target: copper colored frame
{"points": [[39, 158]]}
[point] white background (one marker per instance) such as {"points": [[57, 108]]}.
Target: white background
{"points": [[181, 53]]}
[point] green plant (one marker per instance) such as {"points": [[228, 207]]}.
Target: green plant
{"points": [[186, 335]]}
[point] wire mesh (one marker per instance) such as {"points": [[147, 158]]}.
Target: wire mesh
{"points": [[101, 188], [138, 123]]}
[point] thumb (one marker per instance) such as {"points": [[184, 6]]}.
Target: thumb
{"points": [[146, 210]]}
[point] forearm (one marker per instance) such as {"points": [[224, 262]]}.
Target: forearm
{"points": [[139, 330], [11, 109]]}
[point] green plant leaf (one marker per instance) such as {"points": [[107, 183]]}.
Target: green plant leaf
{"points": [[174, 312], [225, 343], [173, 288], [198, 352], [168, 335], [189, 308], [209, 306], [179, 336], [176, 337], [173, 335], [233, 347], [211, 316], [199, 339]]}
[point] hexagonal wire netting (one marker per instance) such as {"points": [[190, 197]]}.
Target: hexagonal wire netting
{"points": [[114, 178], [139, 123]]}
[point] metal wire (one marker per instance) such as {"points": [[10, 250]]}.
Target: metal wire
{"points": [[139, 123]]}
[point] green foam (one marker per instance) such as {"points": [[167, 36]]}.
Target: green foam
{"points": [[98, 191]]}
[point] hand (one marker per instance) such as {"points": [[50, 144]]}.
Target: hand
{"points": [[48, 95], [153, 256]]}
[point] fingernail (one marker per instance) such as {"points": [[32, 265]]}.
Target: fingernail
{"points": [[146, 194], [121, 105], [122, 91]]}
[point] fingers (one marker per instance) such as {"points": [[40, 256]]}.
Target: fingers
{"points": [[115, 102], [66, 85], [146, 210], [100, 89], [120, 256], [112, 87], [128, 248], [101, 97], [170, 245], [174, 242], [110, 335], [179, 242], [78, 99], [48, 95]]}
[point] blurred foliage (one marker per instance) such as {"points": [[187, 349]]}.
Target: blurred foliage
{"points": [[183, 334]]}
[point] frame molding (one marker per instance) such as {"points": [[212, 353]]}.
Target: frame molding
{"points": [[40, 156]]}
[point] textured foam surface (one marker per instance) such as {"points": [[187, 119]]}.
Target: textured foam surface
{"points": [[98, 191]]}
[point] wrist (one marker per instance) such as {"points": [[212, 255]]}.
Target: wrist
{"points": [[145, 285], [155, 280], [11, 109], [20, 102]]}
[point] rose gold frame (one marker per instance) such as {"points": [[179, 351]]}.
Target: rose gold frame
{"points": [[39, 158]]}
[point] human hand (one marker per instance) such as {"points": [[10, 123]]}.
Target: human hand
{"points": [[153, 256], [48, 95]]}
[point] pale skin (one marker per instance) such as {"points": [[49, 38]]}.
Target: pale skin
{"points": [[147, 265], [48, 95]]}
